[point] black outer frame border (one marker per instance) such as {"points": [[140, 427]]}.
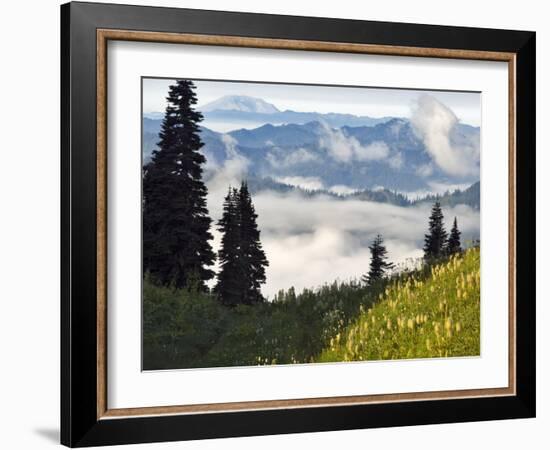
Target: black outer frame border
{"points": [[79, 425]]}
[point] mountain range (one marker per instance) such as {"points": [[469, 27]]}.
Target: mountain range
{"points": [[336, 153], [251, 111]]}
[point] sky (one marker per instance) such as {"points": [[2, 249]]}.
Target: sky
{"points": [[361, 101]]}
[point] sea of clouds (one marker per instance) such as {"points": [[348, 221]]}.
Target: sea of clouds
{"points": [[310, 241]]}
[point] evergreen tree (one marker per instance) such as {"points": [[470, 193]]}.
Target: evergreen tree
{"points": [[230, 277], [436, 239], [453, 243], [253, 257], [242, 259], [176, 224], [378, 263]]}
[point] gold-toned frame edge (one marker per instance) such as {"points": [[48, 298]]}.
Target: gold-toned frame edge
{"points": [[103, 36]]}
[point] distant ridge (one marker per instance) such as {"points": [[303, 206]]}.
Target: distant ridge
{"points": [[468, 197]]}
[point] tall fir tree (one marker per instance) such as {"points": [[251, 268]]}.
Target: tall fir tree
{"points": [[176, 248], [453, 243], [378, 263], [253, 256], [436, 239], [242, 259]]}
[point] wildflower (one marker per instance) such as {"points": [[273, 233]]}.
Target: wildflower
{"points": [[449, 327]]}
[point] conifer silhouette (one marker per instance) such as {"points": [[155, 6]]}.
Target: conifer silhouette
{"points": [[379, 262], [176, 224], [436, 239]]}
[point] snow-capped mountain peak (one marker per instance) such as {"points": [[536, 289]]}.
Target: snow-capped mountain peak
{"points": [[241, 103]]}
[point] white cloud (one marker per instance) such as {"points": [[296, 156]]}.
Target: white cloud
{"points": [[296, 157], [231, 172], [375, 151], [442, 188], [435, 188], [435, 123], [342, 189], [312, 241], [308, 183], [219, 177], [424, 170], [345, 148], [396, 161]]}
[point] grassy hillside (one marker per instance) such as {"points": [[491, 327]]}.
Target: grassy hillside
{"points": [[431, 312], [418, 317]]}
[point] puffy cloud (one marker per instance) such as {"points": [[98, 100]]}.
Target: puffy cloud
{"points": [[344, 148], [308, 183], [233, 169], [342, 189], [374, 151], [312, 241], [436, 188], [425, 170], [293, 158], [219, 177], [396, 161], [435, 124]]}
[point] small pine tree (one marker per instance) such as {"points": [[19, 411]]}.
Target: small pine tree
{"points": [[436, 239], [378, 263], [453, 243], [176, 224]]}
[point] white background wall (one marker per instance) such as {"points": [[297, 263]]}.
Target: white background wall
{"points": [[29, 224]]}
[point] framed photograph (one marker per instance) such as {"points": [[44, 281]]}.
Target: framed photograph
{"points": [[276, 224]]}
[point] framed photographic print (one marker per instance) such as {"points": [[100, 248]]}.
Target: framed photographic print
{"points": [[276, 224]]}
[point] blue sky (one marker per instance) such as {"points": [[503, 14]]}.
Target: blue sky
{"points": [[373, 102]]}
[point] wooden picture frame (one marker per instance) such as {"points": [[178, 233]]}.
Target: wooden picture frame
{"points": [[86, 418]]}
